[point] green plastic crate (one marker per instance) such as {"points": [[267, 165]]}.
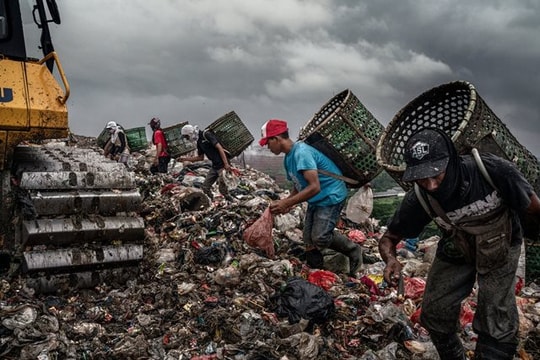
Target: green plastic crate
{"points": [[176, 144], [136, 138]]}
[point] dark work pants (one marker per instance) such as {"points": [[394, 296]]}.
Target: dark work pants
{"points": [[211, 178], [162, 166], [496, 318]]}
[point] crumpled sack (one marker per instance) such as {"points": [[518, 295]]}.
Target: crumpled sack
{"points": [[360, 205], [259, 234], [301, 299]]}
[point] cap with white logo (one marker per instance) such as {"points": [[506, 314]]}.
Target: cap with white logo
{"points": [[426, 155]]}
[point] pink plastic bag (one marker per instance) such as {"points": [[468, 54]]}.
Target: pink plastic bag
{"points": [[259, 234]]}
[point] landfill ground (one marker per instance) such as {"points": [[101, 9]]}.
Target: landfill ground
{"points": [[203, 292]]}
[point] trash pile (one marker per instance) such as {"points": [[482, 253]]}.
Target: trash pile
{"points": [[203, 292]]}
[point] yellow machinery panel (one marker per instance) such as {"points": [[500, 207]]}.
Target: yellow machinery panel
{"points": [[14, 107], [32, 105]]}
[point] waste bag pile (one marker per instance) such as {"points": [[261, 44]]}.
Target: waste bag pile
{"points": [[204, 292]]}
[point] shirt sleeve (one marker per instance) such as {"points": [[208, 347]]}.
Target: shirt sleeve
{"points": [[122, 138], [514, 188], [211, 137], [410, 218], [305, 160]]}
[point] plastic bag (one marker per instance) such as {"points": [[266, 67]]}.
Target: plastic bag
{"points": [[360, 205], [259, 234], [323, 278], [414, 287], [301, 299], [230, 179]]}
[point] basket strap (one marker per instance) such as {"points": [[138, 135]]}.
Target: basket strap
{"points": [[482, 168], [340, 177], [422, 200]]}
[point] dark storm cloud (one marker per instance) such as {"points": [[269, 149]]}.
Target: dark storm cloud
{"points": [[196, 60]]}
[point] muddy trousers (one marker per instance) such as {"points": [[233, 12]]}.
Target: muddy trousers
{"points": [[211, 178], [319, 225], [496, 319]]}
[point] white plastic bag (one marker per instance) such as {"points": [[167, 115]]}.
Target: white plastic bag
{"points": [[360, 205], [230, 179]]}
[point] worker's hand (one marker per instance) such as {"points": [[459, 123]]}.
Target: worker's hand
{"points": [[392, 271], [235, 171], [156, 161], [227, 167], [279, 207]]}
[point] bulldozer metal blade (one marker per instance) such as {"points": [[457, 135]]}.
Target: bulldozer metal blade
{"points": [[52, 283], [74, 230], [75, 202], [77, 180], [62, 259]]}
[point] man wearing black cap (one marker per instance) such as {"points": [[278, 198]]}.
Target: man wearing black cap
{"points": [[324, 194], [478, 215]]}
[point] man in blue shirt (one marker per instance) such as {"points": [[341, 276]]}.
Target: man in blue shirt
{"points": [[324, 194]]}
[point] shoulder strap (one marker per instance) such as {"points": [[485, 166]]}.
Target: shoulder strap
{"points": [[422, 200], [227, 152], [340, 177], [434, 208], [482, 168], [435, 205]]}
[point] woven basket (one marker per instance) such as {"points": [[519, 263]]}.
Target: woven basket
{"points": [[457, 109], [136, 138], [233, 135], [176, 144], [347, 133]]}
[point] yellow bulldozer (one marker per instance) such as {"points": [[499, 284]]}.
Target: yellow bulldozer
{"points": [[68, 215]]}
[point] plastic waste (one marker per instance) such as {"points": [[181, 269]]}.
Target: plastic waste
{"points": [[259, 234], [414, 287], [227, 276], [301, 299], [322, 278], [230, 179], [360, 205]]}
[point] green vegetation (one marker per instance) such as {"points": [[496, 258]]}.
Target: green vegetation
{"points": [[383, 209], [383, 182]]}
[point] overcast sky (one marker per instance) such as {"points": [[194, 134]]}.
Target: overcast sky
{"points": [[195, 60]]}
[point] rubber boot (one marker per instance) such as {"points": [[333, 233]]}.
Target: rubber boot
{"points": [[494, 350], [448, 346], [315, 259], [353, 251]]}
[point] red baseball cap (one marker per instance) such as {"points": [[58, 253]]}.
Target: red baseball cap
{"points": [[272, 128]]}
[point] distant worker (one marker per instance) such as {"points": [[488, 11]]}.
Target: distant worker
{"points": [[162, 158], [208, 144], [116, 147], [324, 194], [478, 214]]}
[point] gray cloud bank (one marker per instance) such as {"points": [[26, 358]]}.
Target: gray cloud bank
{"points": [[196, 60]]}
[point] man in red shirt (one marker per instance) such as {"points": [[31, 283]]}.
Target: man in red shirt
{"points": [[161, 161]]}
